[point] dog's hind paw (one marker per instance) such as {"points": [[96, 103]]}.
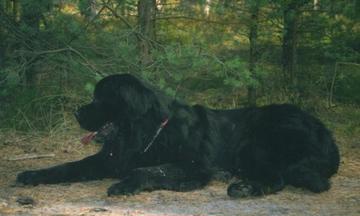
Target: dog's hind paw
{"points": [[242, 189]]}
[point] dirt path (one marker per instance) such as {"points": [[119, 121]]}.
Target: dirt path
{"points": [[90, 198]]}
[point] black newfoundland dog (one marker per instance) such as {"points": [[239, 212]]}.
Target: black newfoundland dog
{"points": [[152, 142]]}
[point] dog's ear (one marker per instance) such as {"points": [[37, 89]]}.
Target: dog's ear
{"points": [[129, 96], [139, 100]]}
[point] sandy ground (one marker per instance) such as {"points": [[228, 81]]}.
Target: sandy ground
{"points": [[89, 198]]}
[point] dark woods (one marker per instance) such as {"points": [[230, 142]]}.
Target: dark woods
{"points": [[221, 52]]}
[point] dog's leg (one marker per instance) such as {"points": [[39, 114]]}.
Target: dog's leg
{"points": [[309, 173], [167, 176], [89, 168], [259, 175]]}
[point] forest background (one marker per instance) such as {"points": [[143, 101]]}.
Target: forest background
{"points": [[219, 53]]}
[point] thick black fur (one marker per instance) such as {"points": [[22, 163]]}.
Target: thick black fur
{"points": [[268, 147]]}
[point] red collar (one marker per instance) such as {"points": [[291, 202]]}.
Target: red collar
{"points": [[162, 125]]}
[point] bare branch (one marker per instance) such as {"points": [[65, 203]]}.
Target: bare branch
{"points": [[30, 156]]}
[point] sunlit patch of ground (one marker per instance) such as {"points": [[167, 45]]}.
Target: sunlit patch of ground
{"points": [[89, 198]]}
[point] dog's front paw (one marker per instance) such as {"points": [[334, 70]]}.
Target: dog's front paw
{"points": [[123, 188], [29, 178], [242, 189]]}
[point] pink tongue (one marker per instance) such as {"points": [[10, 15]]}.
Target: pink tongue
{"points": [[87, 138]]}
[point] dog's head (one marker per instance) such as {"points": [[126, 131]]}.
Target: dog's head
{"points": [[116, 98]]}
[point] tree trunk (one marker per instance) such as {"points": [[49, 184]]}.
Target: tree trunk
{"points": [[289, 45], [357, 9], [254, 10], [207, 7], [291, 13], [88, 9], [15, 11], [146, 23], [2, 48], [30, 17], [2, 37], [7, 5], [123, 8], [316, 4]]}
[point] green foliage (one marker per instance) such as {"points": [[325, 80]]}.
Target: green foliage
{"points": [[84, 6], [54, 55], [64, 27], [35, 7], [191, 69], [8, 83], [347, 86], [237, 74]]}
